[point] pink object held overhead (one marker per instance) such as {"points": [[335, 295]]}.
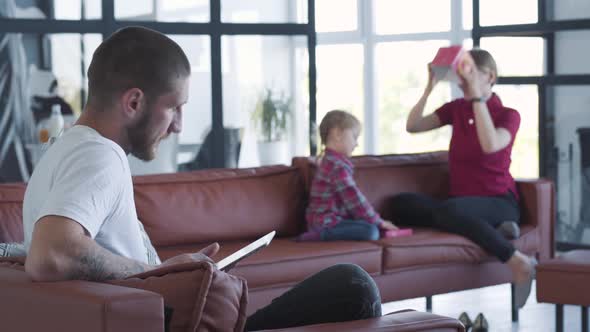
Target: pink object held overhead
{"points": [[450, 61]]}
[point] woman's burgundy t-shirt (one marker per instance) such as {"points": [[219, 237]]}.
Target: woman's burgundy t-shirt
{"points": [[472, 172]]}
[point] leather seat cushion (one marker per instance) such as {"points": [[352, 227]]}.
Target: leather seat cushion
{"points": [[429, 247], [286, 262]]}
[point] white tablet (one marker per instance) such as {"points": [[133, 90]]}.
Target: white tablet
{"points": [[231, 260]]}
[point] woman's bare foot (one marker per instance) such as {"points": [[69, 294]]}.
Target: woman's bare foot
{"points": [[522, 267]]}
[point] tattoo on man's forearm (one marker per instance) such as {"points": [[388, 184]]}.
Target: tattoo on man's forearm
{"points": [[95, 267]]}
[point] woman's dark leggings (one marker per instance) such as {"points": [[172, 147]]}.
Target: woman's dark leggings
{"points": [[474, 217]]}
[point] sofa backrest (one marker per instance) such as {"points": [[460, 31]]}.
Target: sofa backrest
{"points": [[11, 212], [237, 204], [220, 205], [381, 177]]}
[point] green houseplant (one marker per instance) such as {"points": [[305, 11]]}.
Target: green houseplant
{"points": [[271, 118], [271, 114]]}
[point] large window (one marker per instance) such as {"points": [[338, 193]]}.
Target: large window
{"points": [[517, 56], [162, 11], [263, 11], [197, 118], [572, 147], [573, 58], [264, 81], [381, 50], [341, 60], [542, 54], [504, 12], [525, 152], [401, 77], [371, 60], [242, 53], [346, 20], [400, 16], [29, 90]]}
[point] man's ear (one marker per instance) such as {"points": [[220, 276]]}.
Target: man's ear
{"points": [[132, 102]]}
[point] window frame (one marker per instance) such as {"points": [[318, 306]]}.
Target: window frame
{"points": [[215, 29], [369, 39]]}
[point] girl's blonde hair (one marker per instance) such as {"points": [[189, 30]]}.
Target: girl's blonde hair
{"points": [[337, 119]]}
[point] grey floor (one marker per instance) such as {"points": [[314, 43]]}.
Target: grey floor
{"points": [[494, 302]]}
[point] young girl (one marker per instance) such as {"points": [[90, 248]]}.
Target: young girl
{"points": [[337, 209]]}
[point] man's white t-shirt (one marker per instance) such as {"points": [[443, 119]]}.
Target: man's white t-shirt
{"points": [[85, 177]]}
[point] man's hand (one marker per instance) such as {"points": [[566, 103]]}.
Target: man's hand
{"points": [[203, 255], [387, 225], [210, 250]]}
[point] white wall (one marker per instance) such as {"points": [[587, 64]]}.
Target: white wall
{"points": [[572, 107]]}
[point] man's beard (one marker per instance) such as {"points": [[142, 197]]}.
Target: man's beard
{"points": [[142, 144]]}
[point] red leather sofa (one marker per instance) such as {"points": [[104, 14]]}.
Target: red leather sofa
{"points": [[183, 212]]}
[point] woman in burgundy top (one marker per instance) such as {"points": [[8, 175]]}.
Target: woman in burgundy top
{"points": [[483, 194]]}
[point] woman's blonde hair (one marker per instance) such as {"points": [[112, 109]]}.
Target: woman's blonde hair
{"points": [[484, 60], [337, 119]]}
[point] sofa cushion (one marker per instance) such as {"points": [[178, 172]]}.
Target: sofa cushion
{"points": [[220, 205], [201, 297], [400, 321], [571, 268], [286, 262], [11, 212], [428, 247], [14, 262]]}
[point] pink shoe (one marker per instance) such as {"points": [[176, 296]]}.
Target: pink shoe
{"points": [[397, 233]]}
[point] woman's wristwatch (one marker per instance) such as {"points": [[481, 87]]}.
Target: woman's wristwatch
{"points": [[477, 100]]}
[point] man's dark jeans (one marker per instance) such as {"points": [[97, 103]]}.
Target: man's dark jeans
{"points": [[343, 292]]}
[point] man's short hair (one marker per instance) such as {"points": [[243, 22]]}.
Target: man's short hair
{"points": [[135, 57]]}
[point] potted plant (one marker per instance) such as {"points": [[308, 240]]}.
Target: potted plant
{"points": [[270, 118]]}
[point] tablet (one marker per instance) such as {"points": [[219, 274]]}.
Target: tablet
{"points": [[231, 260]]}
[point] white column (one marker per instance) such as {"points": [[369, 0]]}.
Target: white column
{"points": [[371, 104]]}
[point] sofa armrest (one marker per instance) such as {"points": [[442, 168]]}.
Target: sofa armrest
{"points": [[401, 321], [199, 296], [538, 209], [76, 306]]}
